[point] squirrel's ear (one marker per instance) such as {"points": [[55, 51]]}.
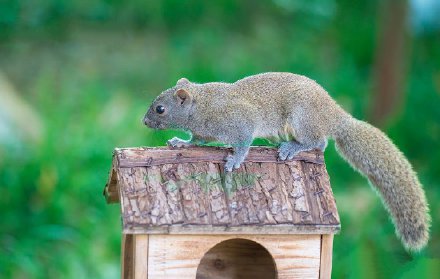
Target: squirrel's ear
{"points": [[182, 81], [183, 96]]}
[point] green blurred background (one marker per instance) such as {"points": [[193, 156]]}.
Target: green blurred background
{"points": [[77, 76]]}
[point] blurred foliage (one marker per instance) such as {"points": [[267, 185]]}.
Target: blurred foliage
{"points": [[89, 69]]}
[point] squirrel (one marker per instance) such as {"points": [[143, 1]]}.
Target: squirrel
{"points": [[298, 114]]}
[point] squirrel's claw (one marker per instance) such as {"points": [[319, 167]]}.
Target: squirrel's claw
{"points": [[228, 168], [178, 143], [231, 163]]}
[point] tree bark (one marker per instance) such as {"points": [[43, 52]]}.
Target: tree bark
{"points": [[389, 66]]}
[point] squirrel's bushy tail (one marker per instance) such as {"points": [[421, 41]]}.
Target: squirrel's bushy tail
{"points": [[371, 152]]}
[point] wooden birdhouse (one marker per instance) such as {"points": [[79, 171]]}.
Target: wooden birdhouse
{"points": [[183, 217]]}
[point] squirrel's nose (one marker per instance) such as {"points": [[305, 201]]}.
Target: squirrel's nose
{"points": [[145, 120]]}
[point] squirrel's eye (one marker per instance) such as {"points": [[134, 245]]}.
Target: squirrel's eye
{"points": [[160, 109]]}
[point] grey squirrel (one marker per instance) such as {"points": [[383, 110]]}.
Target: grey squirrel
{"points": [[298, 113]]}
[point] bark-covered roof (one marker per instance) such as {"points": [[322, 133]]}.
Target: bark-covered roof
{"points": [[165, 190]]}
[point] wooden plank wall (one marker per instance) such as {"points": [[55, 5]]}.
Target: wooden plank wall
{"points": [[226, 256], [178, 256]]}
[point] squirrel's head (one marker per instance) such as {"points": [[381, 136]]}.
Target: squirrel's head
{"points": [[172, 108]]}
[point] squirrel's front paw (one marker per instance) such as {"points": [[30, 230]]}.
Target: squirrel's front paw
{"points": [[231, 163], [176, 142]]}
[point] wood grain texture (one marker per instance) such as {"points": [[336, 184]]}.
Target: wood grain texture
{"points": [[190, 193], [325, 271], [127, 254], [237, 257], [141, 254], [153, 156], [179, 256]]}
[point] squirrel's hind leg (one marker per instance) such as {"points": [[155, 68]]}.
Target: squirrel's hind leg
{"points": [[308, 135], [289, 149]]}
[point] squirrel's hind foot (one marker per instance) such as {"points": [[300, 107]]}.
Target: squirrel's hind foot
{"points": [[289, 149]]}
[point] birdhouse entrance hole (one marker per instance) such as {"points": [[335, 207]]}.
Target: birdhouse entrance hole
{"points": [[237, 258]]}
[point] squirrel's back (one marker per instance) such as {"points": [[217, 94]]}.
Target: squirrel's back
{"points": [[280, 98]]}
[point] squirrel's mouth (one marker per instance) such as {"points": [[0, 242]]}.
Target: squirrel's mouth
{"points": [[153, 124]]}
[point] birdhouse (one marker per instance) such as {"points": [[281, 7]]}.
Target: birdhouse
{"points": [[184, 217]]}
